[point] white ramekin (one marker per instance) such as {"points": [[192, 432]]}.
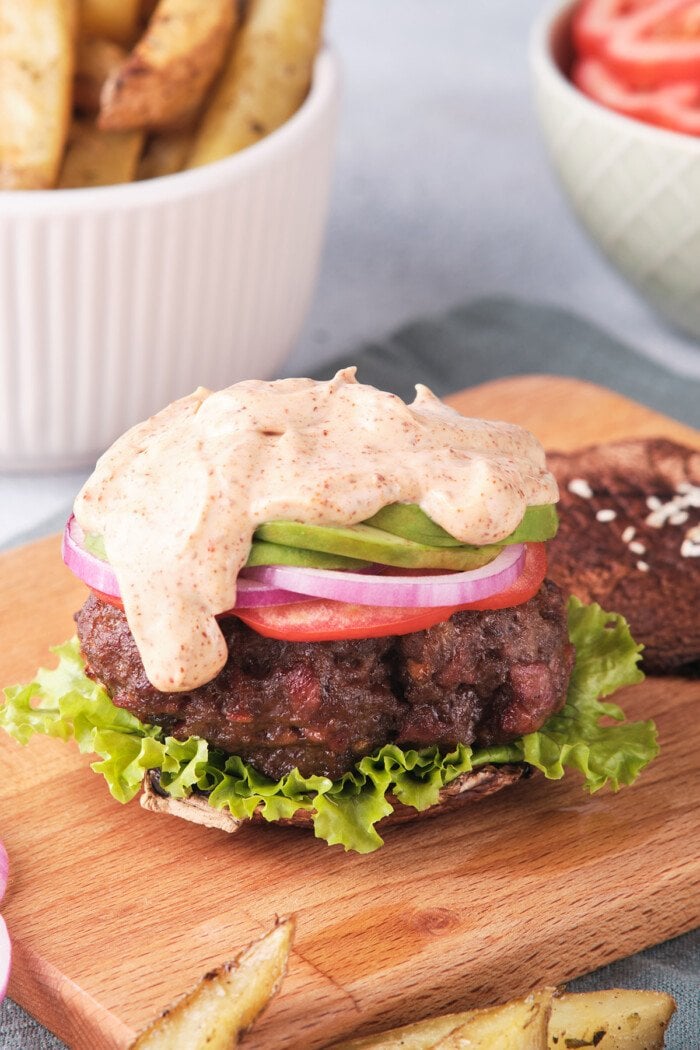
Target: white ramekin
{"points": [[114, 301], [634, 187]]}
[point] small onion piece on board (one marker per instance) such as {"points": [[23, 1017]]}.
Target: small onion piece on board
{"points": [[455, 588], [4, 869], [5, 958]]}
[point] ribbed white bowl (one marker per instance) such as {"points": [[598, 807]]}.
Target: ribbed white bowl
{"points": [[635, 187], [115, 301]]}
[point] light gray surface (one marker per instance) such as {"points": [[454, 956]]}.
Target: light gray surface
{"points": [[442, 194], [443, 190]]}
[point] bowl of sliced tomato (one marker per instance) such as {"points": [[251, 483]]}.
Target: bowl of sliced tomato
{"points": [[617, 91]]}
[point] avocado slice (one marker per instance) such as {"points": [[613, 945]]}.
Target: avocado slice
{"points": [[263, 553], [95, 545], [370, 544], [408, 520], [401, 534]]}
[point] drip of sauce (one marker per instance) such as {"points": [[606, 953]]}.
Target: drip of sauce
{"points": [[178, 497]]}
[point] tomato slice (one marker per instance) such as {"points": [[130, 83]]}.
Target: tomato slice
{"points": [[321, 620], [675, 107], [108, 599], [595, 21], [525, 587], [647, 43], [660, 45]]}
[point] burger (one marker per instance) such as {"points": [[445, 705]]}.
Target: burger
{"points": [[312, 603]]}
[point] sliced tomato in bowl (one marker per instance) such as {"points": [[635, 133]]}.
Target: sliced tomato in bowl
{"points": [[596, 21], [658, 46], [675, 107], [646, 43]]}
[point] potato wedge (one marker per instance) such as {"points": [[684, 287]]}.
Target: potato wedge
{"points": [[265, 79], [226, 1001], [611, 1020], [521, 1023], [165, 153], [117, 20], [165, 78], [96, 59], [99, 158], [36, 72]]}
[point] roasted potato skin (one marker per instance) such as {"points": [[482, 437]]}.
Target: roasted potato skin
{"points": [[165, 153], [75, 101], [227, 1000], [37, 56], [265, 79], [611, 1020], [99, 158], [520, 1023], [165, 78], [116, 20], [96, 59], [545, 1020]]}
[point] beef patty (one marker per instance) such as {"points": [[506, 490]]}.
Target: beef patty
{"points": [[478, 678]]}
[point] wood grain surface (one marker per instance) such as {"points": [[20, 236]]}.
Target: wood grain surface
{"points": [[114, 911]]}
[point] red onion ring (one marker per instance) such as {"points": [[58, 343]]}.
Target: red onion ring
{"points": [[456, 588], [252, 594], [95, 573], [286, 584], [99, 575], [5, 958]]}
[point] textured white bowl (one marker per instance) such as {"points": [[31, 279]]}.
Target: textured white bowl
{"points": [[636, 188], [114, 301]]}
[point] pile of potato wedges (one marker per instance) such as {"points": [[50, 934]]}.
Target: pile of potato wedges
{"points": [[98, 92], [216, 1013]]}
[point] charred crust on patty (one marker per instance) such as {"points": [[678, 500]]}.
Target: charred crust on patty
{"points": [[478, 678]]}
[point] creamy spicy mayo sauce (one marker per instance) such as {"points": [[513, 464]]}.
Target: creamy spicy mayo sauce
{"points": [[178, 497]]}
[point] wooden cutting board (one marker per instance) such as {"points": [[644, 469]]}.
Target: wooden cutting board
{"points": [[114, 911]]}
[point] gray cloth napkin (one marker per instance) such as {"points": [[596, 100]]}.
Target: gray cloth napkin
{"points": [[485, 340], [496, 337]]}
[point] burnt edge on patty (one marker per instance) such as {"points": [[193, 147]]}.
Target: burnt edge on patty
{"points": [[478, 678]]}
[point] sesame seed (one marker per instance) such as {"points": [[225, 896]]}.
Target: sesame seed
{"points": [[580, 487], [642, 566], [637, 548], [629, 534], [679, 518], [606, 515], [653, 502], [689, 549]]}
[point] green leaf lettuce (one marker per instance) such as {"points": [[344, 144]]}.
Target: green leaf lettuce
{"points": [[65, 703]]}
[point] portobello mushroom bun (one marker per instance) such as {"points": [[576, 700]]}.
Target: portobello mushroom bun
{"points": [[312, 603]]}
